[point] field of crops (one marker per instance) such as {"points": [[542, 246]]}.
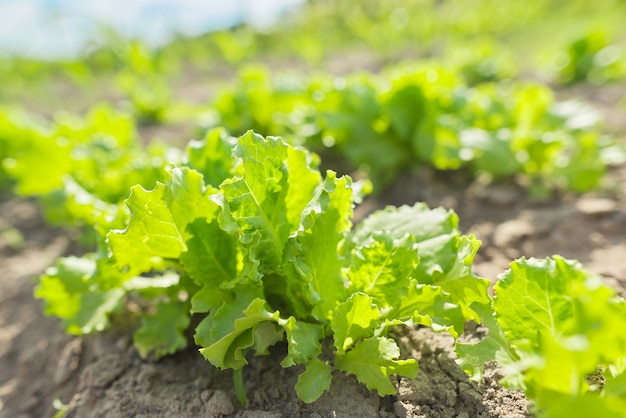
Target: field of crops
{"points": [[373, 209]]}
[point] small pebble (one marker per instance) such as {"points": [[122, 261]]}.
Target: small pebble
{"points": [[500, 195], [596, 207], [220, 404]]}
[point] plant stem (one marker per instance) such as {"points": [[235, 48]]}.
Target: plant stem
{"points": [[239, 388]]}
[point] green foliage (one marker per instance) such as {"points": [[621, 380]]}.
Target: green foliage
{"points": [[392, 30], [372, 360], [591, 57], [427, 114], [81, 169], [76, 292], [270, 255], [165, 213], [250, 237], [263, 247], [314, 381], [141, 79], [161, 332], [489, 40], [557, 330]]}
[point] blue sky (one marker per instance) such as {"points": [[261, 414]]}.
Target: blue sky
{"points": [[53, 28]]}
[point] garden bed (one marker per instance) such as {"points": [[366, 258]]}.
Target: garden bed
{"points": [[102, 374]]}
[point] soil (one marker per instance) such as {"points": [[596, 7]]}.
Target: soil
{"points": [[103, 376]]}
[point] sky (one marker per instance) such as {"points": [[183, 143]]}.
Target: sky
{"points": [[61, 28]]}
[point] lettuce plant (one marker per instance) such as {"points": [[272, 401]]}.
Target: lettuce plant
{"points": [[262, 247], [557, 331]]}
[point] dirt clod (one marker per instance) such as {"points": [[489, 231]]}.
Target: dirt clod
{"points": [[219, 404]]}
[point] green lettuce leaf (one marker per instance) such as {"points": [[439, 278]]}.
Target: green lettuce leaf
{"points": [[162, 331], [356, 318], [211, 259], [314, 381], [29, 163], [304, 339], [211, 156], [229, 332], [304, 179], [471, 357], [564, 325], [445, 259], [71, 292], [159, 219], [587, 406], [254, 204], [313, 255], [431, 306], [373, 360], [382, 268]]}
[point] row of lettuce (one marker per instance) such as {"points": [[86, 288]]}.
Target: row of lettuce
{"points": [[425, 114], [146, 79], [248, 236], [383, 125]]}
